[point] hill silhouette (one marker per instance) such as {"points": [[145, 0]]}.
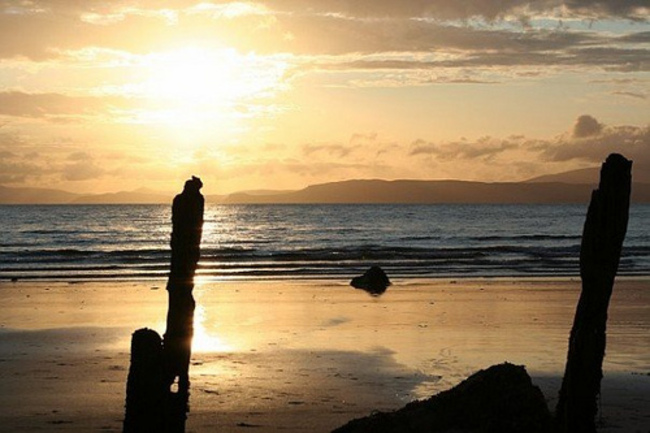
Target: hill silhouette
{"points": [[355, 191], [588, 176], [138, 196], [34, 195], [425, 192]]}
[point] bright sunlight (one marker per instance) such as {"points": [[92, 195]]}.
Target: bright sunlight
{"points": [[206, 88], [197, 76], [203, 340]]}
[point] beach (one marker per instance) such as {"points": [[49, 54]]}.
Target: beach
{"points": [[305, 355]]}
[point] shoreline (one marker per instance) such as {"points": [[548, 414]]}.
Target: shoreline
{"points": [[306, 355], [343, 278]]}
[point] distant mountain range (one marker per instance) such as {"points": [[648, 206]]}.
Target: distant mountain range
{"points": [[589, 176], [423, 192], [569, 187]]}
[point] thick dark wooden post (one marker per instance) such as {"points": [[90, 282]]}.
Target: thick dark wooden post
{"points": [[187, 222], [145, 394], [600, 252]]}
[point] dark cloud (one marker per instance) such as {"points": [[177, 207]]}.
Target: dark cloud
{"points": [[627, 59], [439, 9], [630, 9], [333, 35], [522, 53], [586, 126], [464, 47], [631, 141], [452, 9], [636, 38], [324, 27]]}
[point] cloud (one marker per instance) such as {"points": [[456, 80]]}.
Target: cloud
{"points": [[333, 35], [82, 170], [45, 29], [635, 95], [586, 144], [49, 28], [586, 126], [479, 48], [310, 172], [336, 150], [440, 9], [53, 165], [485, 149], [426, 53], [55, 105], [73, 164], [452, 9], [636, 38], [9, 140], [602, 9], [16, 167], [359, 138], [79, 157], [595, 141]]}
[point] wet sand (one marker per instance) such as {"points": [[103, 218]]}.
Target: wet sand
{"points": [[305, 356]]}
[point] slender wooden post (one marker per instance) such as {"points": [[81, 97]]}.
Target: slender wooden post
{"points": [[600, 252], [157, 390], [187, 222]]}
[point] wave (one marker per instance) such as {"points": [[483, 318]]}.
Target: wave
{"points": [[309, 241], [228, 262]]}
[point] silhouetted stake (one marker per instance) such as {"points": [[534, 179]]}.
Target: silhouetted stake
{"points": [[600, 252], [145, 391], [158, 384], [187, 222]]}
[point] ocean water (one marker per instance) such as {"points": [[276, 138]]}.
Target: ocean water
{"points": [[309, 241]]}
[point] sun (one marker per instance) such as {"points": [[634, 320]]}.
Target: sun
{"points": [[205, 89], [200, 76], [196, 76]]}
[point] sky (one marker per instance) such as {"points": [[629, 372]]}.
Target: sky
{"points": [[100, 96]]}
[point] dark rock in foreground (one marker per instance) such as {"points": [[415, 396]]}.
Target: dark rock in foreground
{"points": [[499, 399], [373, 281]]}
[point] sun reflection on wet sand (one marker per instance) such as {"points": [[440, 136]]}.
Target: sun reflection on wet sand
{"points": [[203, 340]]}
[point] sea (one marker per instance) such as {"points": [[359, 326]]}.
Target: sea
{"points": [[102, 242]]}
